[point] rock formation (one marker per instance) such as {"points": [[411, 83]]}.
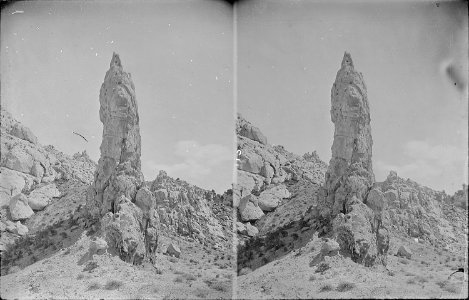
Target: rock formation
{"points": [[355, 212], [119, 197], [350, 170], [187, 210]]}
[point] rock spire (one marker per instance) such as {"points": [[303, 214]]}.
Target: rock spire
{"points": [[350, 204], [350, 170], [118, 196]]}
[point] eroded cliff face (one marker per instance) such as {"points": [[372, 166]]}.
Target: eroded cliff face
{"points": [[349, 203], [119, 197]]}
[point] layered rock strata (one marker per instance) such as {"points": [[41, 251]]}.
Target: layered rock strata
{"points": [[118, 196], [355, 212]]}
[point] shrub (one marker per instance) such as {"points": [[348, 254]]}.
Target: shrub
{"points": [[80, 276], [189, 277], [90, 266], [178, 279], [326, 288], [312, 278], [411, 281], [201, 293], [404, 261], [94, 286], [345, 286], [324, 266], [421, 279], [113, 285]]}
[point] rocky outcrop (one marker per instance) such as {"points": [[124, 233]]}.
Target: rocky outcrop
{"points": [[246, 129], [266, 178], [354, 211], [129, 225], [190, 211], [417, 211]]}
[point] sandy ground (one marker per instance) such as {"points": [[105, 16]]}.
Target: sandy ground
{"points": [[293, 276], [71, 273]]}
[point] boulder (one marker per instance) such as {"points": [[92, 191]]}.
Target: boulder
{"points": [[11, 184], [250, 162], [39, 198], [173, 250], [20, 229], [269, 199], [23, 133], [246, 129], [19, 208], [404, 251], [241, 228], [249, 208], [251, 230]]}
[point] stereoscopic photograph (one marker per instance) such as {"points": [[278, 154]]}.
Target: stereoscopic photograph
{"points": [[256, 149]]}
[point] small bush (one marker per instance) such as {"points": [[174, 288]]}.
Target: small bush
{"points": [[80, 276], [113, 285], [324, 266], [326, 288], [312, 278], [411, 281], [94, 286], [179, 279], [404, 261], [201, 293], [345, 286], [446, 285], [421, 279], [90, 266], [189, 277]]}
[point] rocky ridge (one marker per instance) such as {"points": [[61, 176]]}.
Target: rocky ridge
{"points": [[31, 177]]}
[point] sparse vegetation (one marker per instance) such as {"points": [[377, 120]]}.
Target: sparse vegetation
{"points": [[323, 267], [345, 286], [326, 288], [90, 266], [446, 285], [113, 285], [403, 261], [94, 286]]}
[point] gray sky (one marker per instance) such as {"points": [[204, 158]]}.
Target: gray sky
{"points": [[289, 53], [55, 54]]}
